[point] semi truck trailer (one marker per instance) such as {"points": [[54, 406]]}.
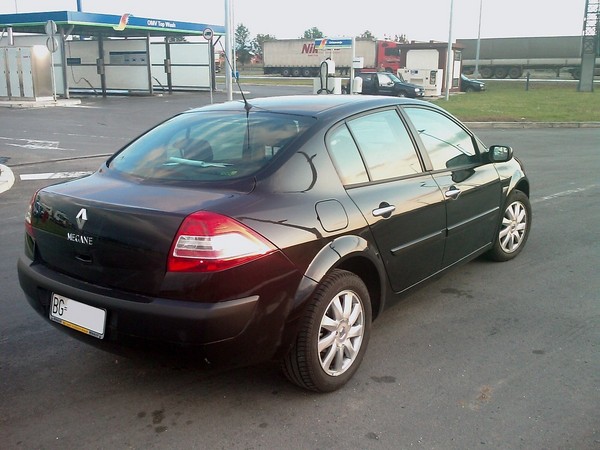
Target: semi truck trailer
{"points": [[302, 58], [512, 57]]}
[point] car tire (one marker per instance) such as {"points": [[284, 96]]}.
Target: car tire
{"points": [[514, 228], [401, 94], [333, 336]]}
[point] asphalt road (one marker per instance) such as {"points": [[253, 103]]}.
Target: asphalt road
{"points": [[493, 355]]}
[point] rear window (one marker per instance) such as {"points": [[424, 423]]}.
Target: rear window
{"points": [[210, 146]]}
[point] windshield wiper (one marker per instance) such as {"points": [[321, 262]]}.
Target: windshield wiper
{"points": [[195, 163]]}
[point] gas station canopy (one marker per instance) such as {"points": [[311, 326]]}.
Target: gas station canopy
{"points": [[126, 53], [108, 25]]}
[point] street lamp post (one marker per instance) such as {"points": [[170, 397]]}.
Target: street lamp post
{"points": [[476, 74], [449, 58]]}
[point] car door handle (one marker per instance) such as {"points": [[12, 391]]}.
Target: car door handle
{"points": [[453, 192], [385, 210]]}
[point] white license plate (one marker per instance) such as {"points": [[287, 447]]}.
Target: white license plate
{"points": [[78, 316]]}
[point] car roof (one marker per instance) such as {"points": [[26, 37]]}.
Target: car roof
{"points": [[312, 105]]}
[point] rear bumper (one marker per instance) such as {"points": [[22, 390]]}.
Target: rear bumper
{"points": [[219, 326]]}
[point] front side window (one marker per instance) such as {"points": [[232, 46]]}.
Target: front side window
{"points": [[209, 146], [385, 145], [385, 79], [447, 144]]}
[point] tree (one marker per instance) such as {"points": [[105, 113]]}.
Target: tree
{"points": [[366, 35], [242, 44], [313, 33], [258, 44]]}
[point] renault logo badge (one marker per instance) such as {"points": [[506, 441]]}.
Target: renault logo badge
{"points": [[81, 218]]}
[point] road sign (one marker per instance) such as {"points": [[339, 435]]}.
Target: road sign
{"points": [[50, 28], [208, 34], [52, 44], [331, 43]]}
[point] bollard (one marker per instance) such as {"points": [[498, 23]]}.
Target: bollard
{"points": [[527, 82]]}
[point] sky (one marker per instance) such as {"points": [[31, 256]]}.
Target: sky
{"points": [[423, 20]]}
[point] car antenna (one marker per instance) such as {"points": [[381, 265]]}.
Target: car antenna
{"points": [[247, 105]]}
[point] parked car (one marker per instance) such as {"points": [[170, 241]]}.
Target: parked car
{"points": [[469, 85], [386, 83], [276, 229]]}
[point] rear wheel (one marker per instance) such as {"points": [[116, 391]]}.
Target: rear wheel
{"points": [[486, 72], [514, 228], [501, 72], [515, 72], [334, 335]]}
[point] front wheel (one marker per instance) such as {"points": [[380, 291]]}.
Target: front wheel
{"points": [[334, 335], [514, 228]]}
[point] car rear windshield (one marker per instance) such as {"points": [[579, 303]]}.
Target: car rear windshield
{"points": [[210, 146]]}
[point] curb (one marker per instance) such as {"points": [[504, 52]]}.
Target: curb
{"points": [[524, 125], [25, 104]]}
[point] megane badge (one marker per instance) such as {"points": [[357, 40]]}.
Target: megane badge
{"points": [[81, 218]]}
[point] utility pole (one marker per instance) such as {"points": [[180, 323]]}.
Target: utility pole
{"points": [[589, 45], [228, 53]]}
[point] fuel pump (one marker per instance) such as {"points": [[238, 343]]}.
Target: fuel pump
{"points": [[326, 71]]}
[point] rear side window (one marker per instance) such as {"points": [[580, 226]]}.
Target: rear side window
{"points": [[209, 146], [447, 144], [346, 157]]}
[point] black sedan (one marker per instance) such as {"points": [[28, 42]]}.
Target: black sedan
{"points": [[276, 229]]}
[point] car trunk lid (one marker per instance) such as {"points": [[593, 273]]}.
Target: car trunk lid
{"points": [[113, 232]]}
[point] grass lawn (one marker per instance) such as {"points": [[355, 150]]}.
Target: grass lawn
{"points": [[503, 101], [510, 102]]}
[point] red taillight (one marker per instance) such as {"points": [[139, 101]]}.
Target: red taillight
{"points": [[209, 242]]}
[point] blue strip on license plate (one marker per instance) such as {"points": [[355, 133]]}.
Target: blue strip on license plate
{"points": [[78, 316]]}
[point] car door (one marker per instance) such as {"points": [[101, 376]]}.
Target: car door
{"points": [[470, 185], [385, 84], [368, 84], [403, 205]]}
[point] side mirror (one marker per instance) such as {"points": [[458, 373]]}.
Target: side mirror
{"points": [[500, 153]]}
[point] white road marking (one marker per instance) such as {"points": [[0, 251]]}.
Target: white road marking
{"points": [[52, 175], [7, 178], [34, 144], [564, 193]]}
